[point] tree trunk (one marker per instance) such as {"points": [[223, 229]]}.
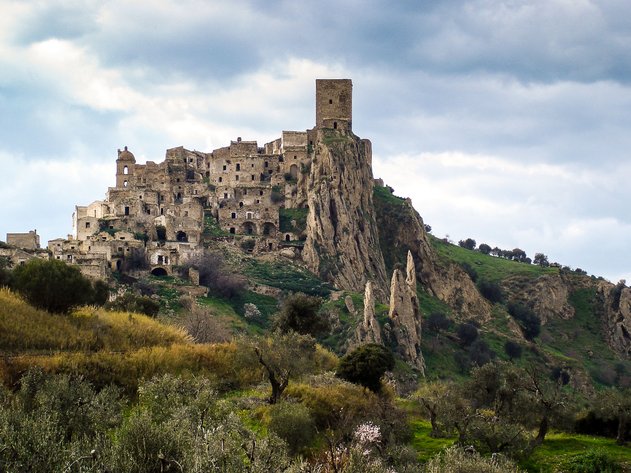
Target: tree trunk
{"points": [[622, 426], [543, 430]]}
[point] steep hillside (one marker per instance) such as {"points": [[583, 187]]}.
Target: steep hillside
{"points": [[342, 243]]}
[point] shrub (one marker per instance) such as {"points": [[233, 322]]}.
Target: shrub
{"points": [[458, 460], [437, 321], [592, 461], [529, 322], [293, 423], [470, 270], [480, 353], [129, 302], [301, 313], [512, 349], [491, 291], [52, 285], [334, 403], [467, 333], [247, 244], [366, 365]]}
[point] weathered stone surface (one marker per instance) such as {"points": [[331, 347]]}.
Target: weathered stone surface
{"points": [[289, 253], [342, 240], [402, 230], [368, 331], [617, 316], [348, 302], [405, 315], [547, 295]]}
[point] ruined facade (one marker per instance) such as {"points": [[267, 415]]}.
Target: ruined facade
{"points": [[160, 214]]}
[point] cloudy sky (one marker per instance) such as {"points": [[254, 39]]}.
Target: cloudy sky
{"points": [[507, 121]]}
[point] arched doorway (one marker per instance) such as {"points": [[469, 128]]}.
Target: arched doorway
{"points": [[181, 236], [159, 272], [269, 229], [249, 228]]}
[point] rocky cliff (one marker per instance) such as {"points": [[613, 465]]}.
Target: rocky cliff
{"points": [[402, 230], [342, 243]]}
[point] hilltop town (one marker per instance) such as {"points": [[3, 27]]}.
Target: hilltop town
{"points": [[158, 215]]}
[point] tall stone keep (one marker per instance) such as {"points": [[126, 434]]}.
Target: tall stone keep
{"points": [[334, 104]]}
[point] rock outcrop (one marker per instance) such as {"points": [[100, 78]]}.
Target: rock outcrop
{"points": [[406, 315], [617, 316], [548, 295], [342, 243], [368, 331], [402, 230]]}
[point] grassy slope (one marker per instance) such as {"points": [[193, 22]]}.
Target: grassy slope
{"points": [[24, 328], [488, 267]]}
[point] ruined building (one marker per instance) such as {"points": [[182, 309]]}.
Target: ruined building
{"points": [[160, 214]]}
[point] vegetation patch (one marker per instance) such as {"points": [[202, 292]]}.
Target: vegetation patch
{"points": [[286, 277], [488, 268], [293, 220]]}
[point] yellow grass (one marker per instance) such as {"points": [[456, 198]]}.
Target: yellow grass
{"points": [[25, 328]]}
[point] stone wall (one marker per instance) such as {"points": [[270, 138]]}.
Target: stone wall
{"points": [[27, 241]]}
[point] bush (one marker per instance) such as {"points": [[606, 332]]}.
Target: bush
{"points": [[592, 461], [437, 321], [491, 291], [528, 321], [301, 313], [456, 460], [294, 424], [129, 302], [470, 270], [467, 333], [480, 353], [366, 365], [513, 349], [52, 285]]}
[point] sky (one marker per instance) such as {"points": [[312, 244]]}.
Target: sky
{"points": [[505, 121]]}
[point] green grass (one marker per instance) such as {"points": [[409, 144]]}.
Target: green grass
{"points": [[488, 267], [580, 341], [557, 449], [427, 446], [285, 276], [384, 195], [560, 447]]}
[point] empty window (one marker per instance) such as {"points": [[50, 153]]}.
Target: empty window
{"points": [[252, 176], [260, 192], [236, 177], [233, 215], [224, 167], [238, 167], [221, 179], [232, 230], [330, 101], [240, 204], [248, 215], [162, 211], [125, 183], [126, 210], [258, 201], [225, 195], [87, 224], [125, 170], [335, 125], [266, 164]]}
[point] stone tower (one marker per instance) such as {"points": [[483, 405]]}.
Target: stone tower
{"points": [[334, 104], [125, 164]]}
